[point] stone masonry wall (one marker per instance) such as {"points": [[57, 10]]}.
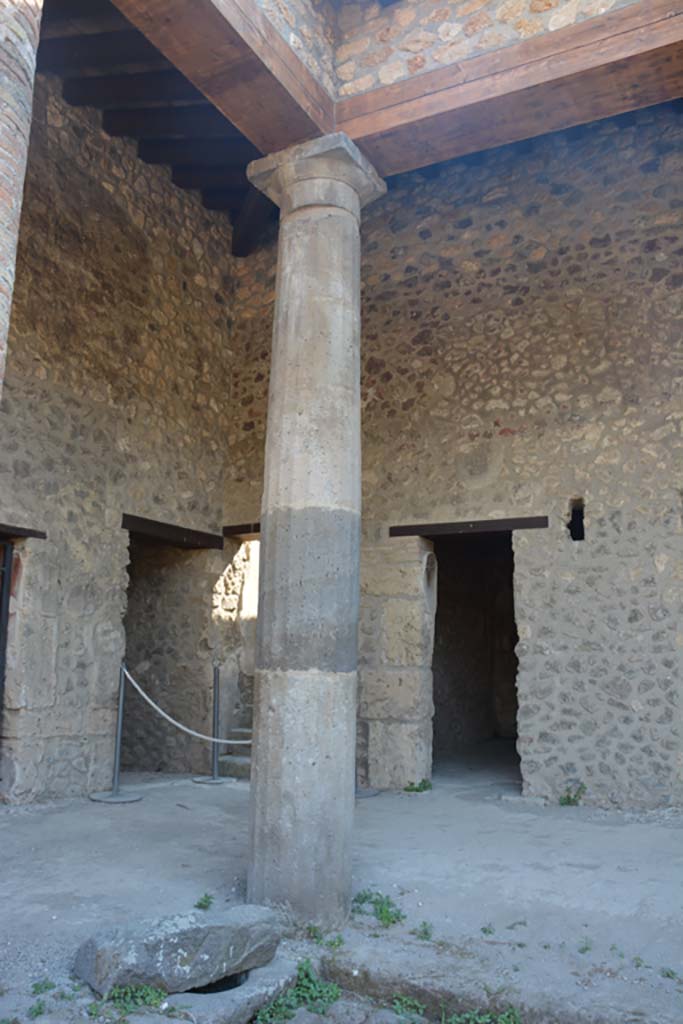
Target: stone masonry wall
{"points": [[117, 400], [523, 346], [382, 45], [395, 708]]}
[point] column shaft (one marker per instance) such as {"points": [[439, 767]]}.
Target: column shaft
{"points": [[19, 36], [303, 761]]}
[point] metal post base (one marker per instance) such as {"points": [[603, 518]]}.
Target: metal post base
{"points": [[208, 780], [115, 798]]}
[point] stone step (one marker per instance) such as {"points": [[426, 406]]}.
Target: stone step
{"points": [[236, 749], [241, 745], [234, 766]]}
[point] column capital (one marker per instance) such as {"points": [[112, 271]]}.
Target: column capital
{"points": [[329, 171]]}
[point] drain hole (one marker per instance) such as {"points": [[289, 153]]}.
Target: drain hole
{"points": [[222, 985], [577, 530]]}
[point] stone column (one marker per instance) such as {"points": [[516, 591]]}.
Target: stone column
{"points": [[19, 35], [307, 636]]}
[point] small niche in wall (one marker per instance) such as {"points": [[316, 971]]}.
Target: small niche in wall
{"points": [[575, 524]]}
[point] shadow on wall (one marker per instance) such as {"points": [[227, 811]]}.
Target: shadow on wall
{"points": [[474, 666]]}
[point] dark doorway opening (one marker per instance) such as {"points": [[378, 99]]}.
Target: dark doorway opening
{"points": [[5, 590], [474, 665]]}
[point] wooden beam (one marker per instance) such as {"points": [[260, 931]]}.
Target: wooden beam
{"points": [[468, 526], [55, 11], [99, 51], [243, 531], [15, 532], [169, 533], [199, 176], [224, 199], [622, 61], [136, 90], [72, 17], [256, 214], [210, 152], [271, 96], [169, 122]]}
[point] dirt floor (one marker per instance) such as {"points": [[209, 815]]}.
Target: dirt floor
{"points": [[568, 913]]}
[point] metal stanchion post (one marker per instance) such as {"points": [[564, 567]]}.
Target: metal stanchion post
{"points": [[214, 779], [116, 796]]}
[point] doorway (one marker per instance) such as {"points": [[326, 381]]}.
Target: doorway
{"points": [[474, 664], [5, 590]]}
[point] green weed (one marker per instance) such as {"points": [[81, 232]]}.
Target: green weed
{"points": [[67, 997], [408, 1008], [127, 998], [585, 945], [509, 1016], [573, 797], [488, 929], [424, 931], [383, 907], [38, 988], [316, 935], [668, 972], [309, 991], [418, 787], [37, 1010], [204, 902]]}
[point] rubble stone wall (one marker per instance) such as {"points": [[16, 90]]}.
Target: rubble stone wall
{"points": [[117, 400], [522, 347], [382, 45]]}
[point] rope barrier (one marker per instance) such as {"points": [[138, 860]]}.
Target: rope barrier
{"points": [[178, 725]]}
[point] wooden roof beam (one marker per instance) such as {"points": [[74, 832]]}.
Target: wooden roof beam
{"points": [[240, 62], [621, 61], [97, 52], [169, 122], [208, 152], [137, 90]]}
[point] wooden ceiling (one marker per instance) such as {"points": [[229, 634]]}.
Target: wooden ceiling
{"points": [[204, 86], [106, 63]]}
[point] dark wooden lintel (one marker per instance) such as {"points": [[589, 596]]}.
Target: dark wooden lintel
{"points": [[207, 177], [246, 531], [470, 526], [135, 90], [175, 536], [12, 532], [106, 50], [180, 122], [210, 152]]}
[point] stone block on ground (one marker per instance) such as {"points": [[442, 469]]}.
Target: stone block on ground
{"points": [[304, 1016], [347, 1011], [240, 1005], [180, 953]]}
